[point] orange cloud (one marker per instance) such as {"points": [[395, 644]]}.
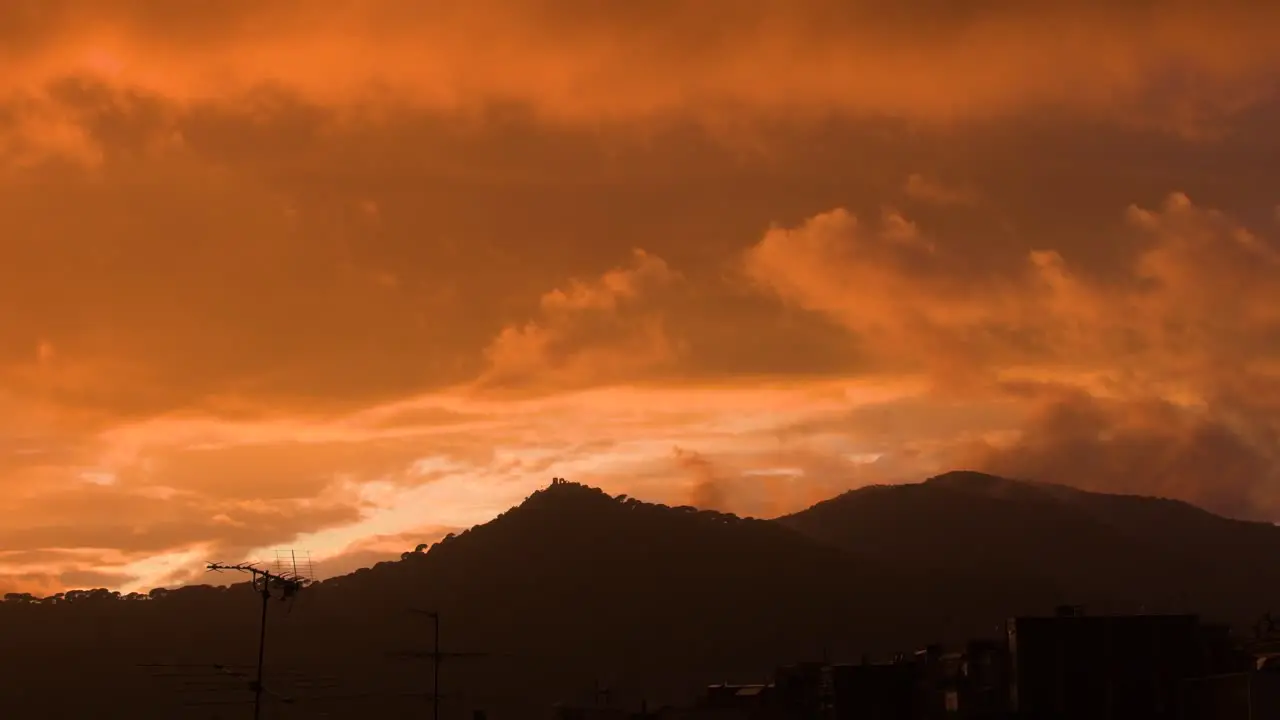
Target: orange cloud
{"points": [[591, 332], [96, 517], [911, 303], [369, 551], [1178, 376], [764, 484], [44, 572], [1158, 374], [1197, 295], [176, 284], [918, 187], [707, 491], [571, 62], [151, 501], [1144, 447], [33, 131], [315, 285]]}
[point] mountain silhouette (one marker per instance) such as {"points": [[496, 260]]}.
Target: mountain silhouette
{"points": [[570, 589], [576, 591], [1118, 553]]}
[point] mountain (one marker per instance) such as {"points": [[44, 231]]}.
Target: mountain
{"points": [[570, 588], [1111, 552], [574, 589]]}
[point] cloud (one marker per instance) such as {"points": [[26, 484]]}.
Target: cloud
{"points": [[1149, 447], [1178, 64], [707, 491], [33, 132], [772, 478], [44, 572], [1197, 295], [129, 296], [91, 517], [1157, 373], [119, 499], [592, 332], [269, 471], [921, 188], [367, 552], [761, 451], [911, 302], [1183, 364], [276, 277], [153, 500], [38, 584], [93, 579]]}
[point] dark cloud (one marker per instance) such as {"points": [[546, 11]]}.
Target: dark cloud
{"points": [[1148, 447]]}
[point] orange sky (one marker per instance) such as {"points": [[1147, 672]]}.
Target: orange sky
{"points": [[345, 276]]}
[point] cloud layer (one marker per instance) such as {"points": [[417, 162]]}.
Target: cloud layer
{"points": [[1181, 65], [346, 280]]}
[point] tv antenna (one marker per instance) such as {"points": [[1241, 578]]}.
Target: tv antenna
{"points": [[436, 656], [264, 582], [295, 564]]}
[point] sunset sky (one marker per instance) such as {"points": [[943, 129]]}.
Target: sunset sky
{"points": [[347, 275]]}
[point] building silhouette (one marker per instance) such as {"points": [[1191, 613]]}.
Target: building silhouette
{"points": [[1073, 665], [1065, 666]]}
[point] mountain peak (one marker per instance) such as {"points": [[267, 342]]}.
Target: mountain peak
{"points": [[562, 493], [980, 483], [969, 478], [572, 499]]}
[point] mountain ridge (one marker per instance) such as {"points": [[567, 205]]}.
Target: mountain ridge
{"points": [[573, 584], [1127, 551]]}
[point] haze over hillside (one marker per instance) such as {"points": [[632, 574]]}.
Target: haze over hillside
{"points": [[1123, 552]]}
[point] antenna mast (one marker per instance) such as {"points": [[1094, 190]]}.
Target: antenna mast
{"points": [[263, 581], [435, 665], [436, 656]]}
